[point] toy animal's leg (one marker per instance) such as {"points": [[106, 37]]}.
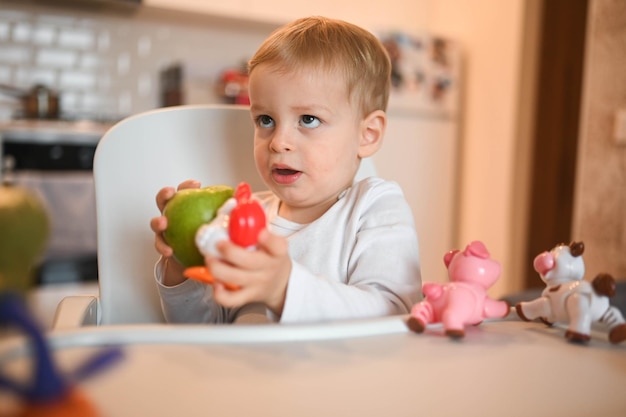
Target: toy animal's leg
{"points": [[496, 309], [421, 314], [530, 310], [457, 314], [454, 327], [578, 307], [615, 321]]}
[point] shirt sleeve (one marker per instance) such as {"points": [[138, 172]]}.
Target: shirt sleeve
{"points": [[188, 302], [192, 302]]}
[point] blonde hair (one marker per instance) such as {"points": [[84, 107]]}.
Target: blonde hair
{"points": [[333, 46]]}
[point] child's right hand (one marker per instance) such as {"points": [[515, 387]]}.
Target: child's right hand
{"points": [[158, 225]]}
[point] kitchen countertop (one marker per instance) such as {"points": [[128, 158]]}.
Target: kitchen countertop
{"points": [[53, 131]]}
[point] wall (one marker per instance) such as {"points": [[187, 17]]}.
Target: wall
{"points": [[106, 63], [491, 35], [494, 150], [398, 14], [600, 200]]}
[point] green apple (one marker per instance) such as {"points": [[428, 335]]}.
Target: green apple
{"points": [[186, 212], [24, 230]]}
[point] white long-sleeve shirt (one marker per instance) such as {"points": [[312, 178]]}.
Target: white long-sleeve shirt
{"points": [[359, 259]]}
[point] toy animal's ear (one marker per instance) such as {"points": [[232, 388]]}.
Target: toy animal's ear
{"points": [[478, 249], [447, 258], [576, 248]]}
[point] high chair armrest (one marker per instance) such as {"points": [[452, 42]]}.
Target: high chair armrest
{"points": [[76, 311]]}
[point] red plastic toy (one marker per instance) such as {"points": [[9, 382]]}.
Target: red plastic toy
{"points": [[247, 218]]}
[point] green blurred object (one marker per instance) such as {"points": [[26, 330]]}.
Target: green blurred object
{"points": [[24, 231]]}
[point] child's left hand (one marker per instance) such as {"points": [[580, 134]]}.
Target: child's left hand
{"points": [[261, 274]]}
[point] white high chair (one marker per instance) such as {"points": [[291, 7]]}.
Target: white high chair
{"points": [[134, 159]]}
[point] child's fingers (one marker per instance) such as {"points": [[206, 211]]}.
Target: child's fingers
{"points": [[162, 247], [188, 184], [166, 193], [233, 254], [158, 224], [272, 244], [163, 197], [229, 298]]}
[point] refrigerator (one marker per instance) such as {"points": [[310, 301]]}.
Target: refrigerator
{"points": [[421, 145]]}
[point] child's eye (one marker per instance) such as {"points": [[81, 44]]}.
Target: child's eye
{"points": [[265, 121], [309, 121]]}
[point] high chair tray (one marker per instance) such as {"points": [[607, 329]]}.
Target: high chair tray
{"points": [[362, 368]]}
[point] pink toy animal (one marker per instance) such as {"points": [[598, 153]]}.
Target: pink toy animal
{"points": [[464, 300], [568, 298]]}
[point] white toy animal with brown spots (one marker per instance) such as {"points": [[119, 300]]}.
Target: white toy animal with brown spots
{"points": [[569, 299]]}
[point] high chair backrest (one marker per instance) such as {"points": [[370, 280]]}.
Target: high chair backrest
{"points": [[137, 157]]}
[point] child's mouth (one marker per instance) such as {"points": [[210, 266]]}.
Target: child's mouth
{"points": [[285, 175], [285, 171]]}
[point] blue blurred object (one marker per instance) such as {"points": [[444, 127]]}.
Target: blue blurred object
{"points": [[47, 383]]}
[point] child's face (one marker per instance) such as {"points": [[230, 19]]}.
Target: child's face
{"points": [[306, 141]]}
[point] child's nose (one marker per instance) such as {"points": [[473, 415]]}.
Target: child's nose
{"points": [[281, 141]]}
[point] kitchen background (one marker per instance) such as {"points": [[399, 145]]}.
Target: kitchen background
{"points": [[110, 63], [107, 63]]}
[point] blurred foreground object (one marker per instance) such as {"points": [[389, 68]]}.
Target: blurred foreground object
{"points": [[24, 230], [48, 392]]}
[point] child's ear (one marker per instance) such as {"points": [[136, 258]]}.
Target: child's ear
{"points": [[372, 132]]}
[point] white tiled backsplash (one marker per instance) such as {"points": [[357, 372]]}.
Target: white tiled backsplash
{"points": [[106, 64]]}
